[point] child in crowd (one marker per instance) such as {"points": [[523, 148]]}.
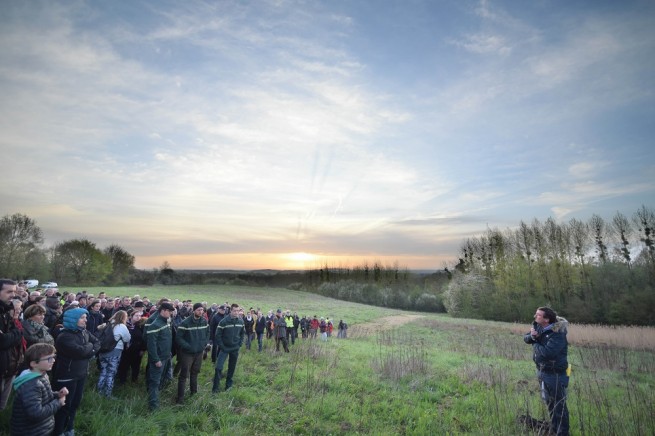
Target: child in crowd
{"points": [[35, 403]]}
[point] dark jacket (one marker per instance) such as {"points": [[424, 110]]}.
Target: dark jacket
{"points": [[34, 407], [249, 324], [213, 325], [260, 326], [192, 335], [74, 350], [10, 338], [550, 347], [52, 313], [230, 333], [138, 341], [36, 333], [159, 338], [280, 329], [94, 320]]}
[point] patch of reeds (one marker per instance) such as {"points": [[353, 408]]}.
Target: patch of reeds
{"points": [[399, 355]]}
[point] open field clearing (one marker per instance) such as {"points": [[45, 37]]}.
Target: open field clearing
{"points": [[397, 373]]}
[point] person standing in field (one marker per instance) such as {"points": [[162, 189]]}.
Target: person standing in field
{"points": [[213, 325], [313, 327], [110, 359], [260, 328], [133, 354], [35, 403], [75, 347], [229, 336], [11, 338], [159, 340], [192, 336], [549, 344], [280, 331]]}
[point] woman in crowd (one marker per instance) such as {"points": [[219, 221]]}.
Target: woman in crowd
{"points": [[132, 355], [96, 317], [109, 359], [35, 331], [75, 347]]}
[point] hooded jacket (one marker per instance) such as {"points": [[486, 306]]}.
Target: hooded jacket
{"points": [[75, 347], [550, 347], [35, 405]]}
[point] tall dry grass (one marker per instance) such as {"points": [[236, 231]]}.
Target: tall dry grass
{"points": [[593, 335]]}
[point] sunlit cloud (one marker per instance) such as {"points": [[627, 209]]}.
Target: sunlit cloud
{"points": [[218, 134]]}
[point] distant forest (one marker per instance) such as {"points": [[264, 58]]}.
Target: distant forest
{"points": [[590, 272]]}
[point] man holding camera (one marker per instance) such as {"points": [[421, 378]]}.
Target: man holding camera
{"points": [[548, 339]]}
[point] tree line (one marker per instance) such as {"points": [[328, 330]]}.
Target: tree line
{"points": [[74, 262], [596, 271]]}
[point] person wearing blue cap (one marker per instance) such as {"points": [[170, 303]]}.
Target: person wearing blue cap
{"points": [[75, 347]]}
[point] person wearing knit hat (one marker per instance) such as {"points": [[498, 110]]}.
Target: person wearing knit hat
{"points": [[191, 339], [75, 347], [73, 321]]}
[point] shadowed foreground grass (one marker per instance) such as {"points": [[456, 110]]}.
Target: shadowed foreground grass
{"points": [[433, 375]]}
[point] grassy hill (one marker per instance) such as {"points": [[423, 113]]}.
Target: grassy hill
{"points": [[427, 374]]}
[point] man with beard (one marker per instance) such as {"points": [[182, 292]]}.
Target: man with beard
{"points": [[191, 338]]}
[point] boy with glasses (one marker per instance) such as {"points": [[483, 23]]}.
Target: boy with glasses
{"points": [[36, 403]]}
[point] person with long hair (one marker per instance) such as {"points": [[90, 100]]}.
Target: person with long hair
{"points": [[109, 360], [133, 354]]}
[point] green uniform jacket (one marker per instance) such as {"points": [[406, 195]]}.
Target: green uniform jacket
{"points": [[192, 335], [230, 333], [159, 339]]}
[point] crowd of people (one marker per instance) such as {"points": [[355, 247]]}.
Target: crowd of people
{"points": [[47, 335], [56, 336]]}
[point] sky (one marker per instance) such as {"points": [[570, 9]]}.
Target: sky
{"points": [[288, 134]]}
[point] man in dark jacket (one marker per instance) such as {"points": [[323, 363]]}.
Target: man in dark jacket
{"points": [[192, 336], [229, 336], [159, 339], [213, 325], [280, 331], [10, 337], [548, 339], [75, 347]]}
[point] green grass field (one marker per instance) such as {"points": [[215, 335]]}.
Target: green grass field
{"points": [[432, 375]]}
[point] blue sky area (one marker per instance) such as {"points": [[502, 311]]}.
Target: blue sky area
{"points": [[254, 134]]}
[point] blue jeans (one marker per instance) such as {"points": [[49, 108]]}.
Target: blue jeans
{"points": [[553, 392], [249, 338], [232, 358], [260, 336]]}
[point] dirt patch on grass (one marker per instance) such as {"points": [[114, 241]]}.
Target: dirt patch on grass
{"points": [[381, 324]]}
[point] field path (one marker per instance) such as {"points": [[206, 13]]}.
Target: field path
{"points": [[385, 323]]}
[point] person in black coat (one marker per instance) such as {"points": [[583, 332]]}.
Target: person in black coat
{"points": [[75, 347], [11, 338], [133, 354]]}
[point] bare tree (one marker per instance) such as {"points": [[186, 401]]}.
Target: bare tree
{"points": [[597, 225], [622, 232]]}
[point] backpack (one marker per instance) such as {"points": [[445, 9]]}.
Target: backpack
{"points": [[106, 338]]}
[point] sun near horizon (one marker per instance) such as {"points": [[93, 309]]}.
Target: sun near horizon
{"points": [[298, 260]]}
